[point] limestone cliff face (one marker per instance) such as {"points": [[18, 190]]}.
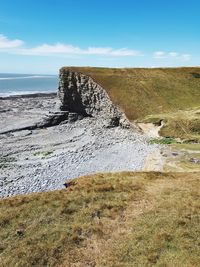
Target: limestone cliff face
{"points": [[80, 94]]}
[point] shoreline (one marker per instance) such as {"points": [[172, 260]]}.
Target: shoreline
{"points": [[42, 159], [31, 95]]}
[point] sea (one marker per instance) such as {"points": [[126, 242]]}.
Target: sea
{"points": [[20, 84]]}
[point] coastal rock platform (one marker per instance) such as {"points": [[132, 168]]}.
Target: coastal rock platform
{"points": [[35, 159]]}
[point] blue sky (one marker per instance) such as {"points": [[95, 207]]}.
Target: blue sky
{"points": [[40, 36]]}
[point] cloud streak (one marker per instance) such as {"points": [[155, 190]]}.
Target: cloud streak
{"points": [[171, 55], [18, 47], [5, 43], [62, 49]]}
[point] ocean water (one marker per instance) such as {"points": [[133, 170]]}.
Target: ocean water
{"points": [[17, 84]]}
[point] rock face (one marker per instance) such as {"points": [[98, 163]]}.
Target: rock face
{"points": [[80, 94]]}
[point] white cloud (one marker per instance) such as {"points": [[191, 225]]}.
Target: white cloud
{"points": [[18, 47], [186, 57], [62, 49], [159, 54], [171, 55], [6, 43], [46, 49]]}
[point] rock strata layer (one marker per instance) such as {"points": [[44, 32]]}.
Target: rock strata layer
{"points": [[79, 93]]}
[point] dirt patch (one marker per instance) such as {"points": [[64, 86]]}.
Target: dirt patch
{"points": [[154, 162], [150, 129]]}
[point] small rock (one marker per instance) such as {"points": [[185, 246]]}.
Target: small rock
{"points": [[20, 232], [194, 160]]}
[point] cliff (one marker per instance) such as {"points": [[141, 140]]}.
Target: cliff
{"points": [[81, 95], [142, 91]]}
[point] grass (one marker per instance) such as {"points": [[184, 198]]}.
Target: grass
{"points": [[163, 141], [43, 154], [119, 219], [152, 95], [183, 124], [182, 157], [190, 147], [122, 219], [141, 92]]}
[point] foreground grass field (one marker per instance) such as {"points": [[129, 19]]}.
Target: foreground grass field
{"points": [[141, 92], [122, 219]]}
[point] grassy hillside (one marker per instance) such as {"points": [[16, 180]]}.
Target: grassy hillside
{"points": [[123, 219], [141, 92], [184, 124]]}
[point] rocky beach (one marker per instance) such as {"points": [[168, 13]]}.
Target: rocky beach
{"points": [[46, 139]]}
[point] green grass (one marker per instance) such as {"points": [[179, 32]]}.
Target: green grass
{"points": [[43, 154], [163, 141], [140, 92], [122, 219]]}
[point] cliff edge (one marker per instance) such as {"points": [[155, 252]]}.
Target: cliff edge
{"points": [[81, 95]]}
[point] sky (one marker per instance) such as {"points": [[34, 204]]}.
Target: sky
{"points": [[40, 36]]}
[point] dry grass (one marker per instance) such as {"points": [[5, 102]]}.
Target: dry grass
{"points": [[121, 219], [182, 158], [141, 92], [168, 92], [184, 124]]}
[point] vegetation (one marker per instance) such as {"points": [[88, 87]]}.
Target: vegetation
{"points": [[187, 146], [43, 154], [121, 219], [163, 141], [141, 92], [152, 95], [181, 157], [183, 124]]}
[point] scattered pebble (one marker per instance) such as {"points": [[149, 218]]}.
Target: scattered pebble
{"points": [[79, 148]]}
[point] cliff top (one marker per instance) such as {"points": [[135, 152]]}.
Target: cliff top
{"points": [[142, 91]]}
